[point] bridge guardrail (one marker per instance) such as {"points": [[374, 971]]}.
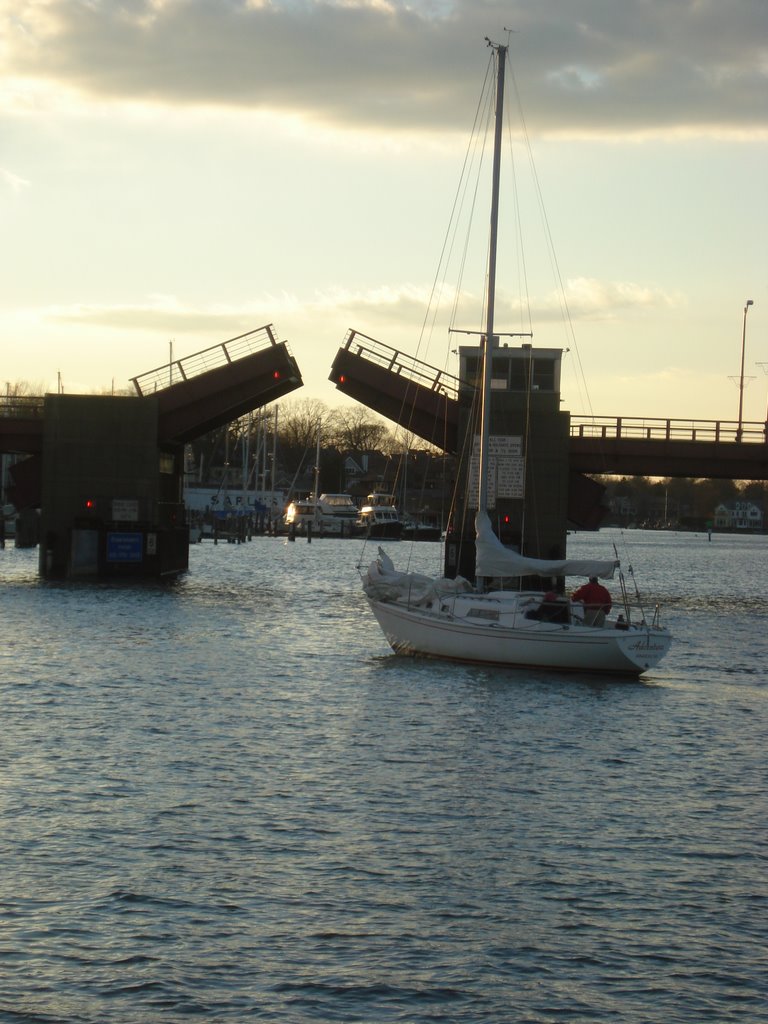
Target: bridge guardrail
{"points": [[179, 370], [22, 406], [398, 362], [653, 429]]}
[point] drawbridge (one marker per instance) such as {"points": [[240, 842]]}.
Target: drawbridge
{"points": [[425, 401], [193, 395]]}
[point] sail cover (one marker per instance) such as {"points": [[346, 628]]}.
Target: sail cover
{"points": [[492, 559]]}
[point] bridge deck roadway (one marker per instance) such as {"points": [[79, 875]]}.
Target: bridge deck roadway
{"points": [[714, 449], [726, 460], [20, 435]]}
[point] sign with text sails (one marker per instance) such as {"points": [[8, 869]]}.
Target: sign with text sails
{"points": [[506, 470]]}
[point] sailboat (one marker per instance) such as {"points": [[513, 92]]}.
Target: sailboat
{"points": [[489, 622]]}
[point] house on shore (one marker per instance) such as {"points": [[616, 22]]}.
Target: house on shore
{"points": [[739, 515]]}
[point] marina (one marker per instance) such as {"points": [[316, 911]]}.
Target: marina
{"points": [[225, 799]]}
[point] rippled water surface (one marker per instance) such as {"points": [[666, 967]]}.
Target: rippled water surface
{"points": [[225, 800]]}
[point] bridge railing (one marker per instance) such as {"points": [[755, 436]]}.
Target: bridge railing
{"points": [[178, 370], [398, 362], [22, 406], [652, 429]]}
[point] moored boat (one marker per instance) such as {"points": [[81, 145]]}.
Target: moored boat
{"points": [[332, 515], [417, 530], [379, 518]]}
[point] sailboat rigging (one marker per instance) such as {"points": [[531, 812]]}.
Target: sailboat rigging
{"points": [[487, 622]]}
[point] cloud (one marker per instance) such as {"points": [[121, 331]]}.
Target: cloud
{"points": [[595, 299], [12, 181], [165, 316], [168, 316], [660, 66], [392, 307]]}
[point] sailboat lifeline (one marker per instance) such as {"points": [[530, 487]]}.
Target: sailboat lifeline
{"points": [[450, 618]]}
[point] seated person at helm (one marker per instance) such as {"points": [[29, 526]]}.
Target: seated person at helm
{"points": [[596, 601]]}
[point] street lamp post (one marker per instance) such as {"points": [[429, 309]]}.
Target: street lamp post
{"points": [[748, 303]]}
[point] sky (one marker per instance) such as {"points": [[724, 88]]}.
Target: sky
{"points": [[176, 172]]}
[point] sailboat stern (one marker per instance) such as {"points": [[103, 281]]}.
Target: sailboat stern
{"points": [[645, 647]]}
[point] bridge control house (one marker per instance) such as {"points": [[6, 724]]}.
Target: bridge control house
{"points": [[528, 453]]}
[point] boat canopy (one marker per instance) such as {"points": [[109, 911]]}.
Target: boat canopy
{"points": [[492, 559]]}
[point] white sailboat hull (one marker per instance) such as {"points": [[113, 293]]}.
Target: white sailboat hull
{"points": [[528, 643]]}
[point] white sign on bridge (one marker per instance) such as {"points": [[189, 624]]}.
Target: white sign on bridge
{"points": [[506, 469]]}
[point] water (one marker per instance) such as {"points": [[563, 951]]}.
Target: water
{"points": [[224, 800]]}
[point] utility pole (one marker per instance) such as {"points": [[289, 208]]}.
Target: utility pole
{"points": [[764, 368]]}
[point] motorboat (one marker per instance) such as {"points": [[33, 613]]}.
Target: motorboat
{"points": [[379, 518], [330, 515]]}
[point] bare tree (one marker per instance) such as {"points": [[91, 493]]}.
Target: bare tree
{"points": [[299, 421], [115, 392], [399, 440], [21, 398], [356, 429]]}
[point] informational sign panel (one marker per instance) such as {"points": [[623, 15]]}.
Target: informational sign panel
{"points": [[125, 547], [506, 470], [125, 510]]}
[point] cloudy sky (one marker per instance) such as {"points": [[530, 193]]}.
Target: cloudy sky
{"points": [[180, 171]]}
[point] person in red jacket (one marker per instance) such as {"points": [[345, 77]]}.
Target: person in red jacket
{"points": [[596, 600]]}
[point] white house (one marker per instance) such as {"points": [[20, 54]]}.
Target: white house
{"points": [[738, 515]]}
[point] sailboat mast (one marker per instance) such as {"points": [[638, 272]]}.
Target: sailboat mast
{"points": [[316, 492], [316, 495], [485, 419]]}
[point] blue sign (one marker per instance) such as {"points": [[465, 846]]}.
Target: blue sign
{"points": [[125, 547]]}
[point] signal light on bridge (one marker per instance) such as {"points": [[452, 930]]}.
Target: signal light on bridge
{"points": [[90, 504], [342, 379], [276, 375]]}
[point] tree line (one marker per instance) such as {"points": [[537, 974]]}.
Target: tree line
{"points": [[675, 501], [297, 424]]}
